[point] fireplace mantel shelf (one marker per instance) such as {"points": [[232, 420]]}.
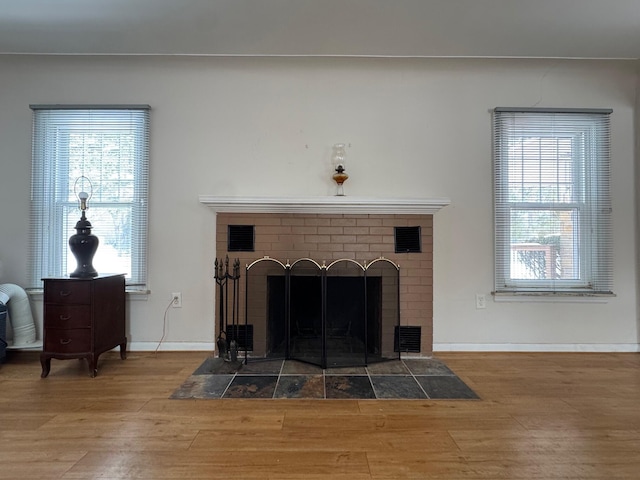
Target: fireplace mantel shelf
{"points": [[337, 204]]}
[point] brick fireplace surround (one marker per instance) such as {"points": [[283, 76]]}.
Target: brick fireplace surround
{"points": [[332, 228]]}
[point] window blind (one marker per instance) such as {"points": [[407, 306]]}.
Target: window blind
{"points": [[109, 145], [552, 201]]}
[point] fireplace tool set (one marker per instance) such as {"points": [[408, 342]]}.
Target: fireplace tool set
{"points": [[227, 342]]}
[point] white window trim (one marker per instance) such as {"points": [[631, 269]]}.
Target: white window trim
{"points": [[47, 250], [507, 289]]}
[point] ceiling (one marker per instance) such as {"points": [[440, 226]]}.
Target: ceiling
{"points": [[607, 29]]}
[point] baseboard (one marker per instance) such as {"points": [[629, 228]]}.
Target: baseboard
{"points": [[437, 347], [170, 347], [536, 347]]}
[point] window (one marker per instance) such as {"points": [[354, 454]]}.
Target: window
{"points": [[109, 145], [552, 205]]}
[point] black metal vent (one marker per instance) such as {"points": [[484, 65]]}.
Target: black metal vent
{"points": [[407, 240], [407, 339], [242, 334], [241, 238]]}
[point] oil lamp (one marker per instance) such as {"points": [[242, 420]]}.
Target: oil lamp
{"points": [[338, 158]]}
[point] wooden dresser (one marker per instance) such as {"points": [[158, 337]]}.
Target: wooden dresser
{"points": [[83, 318]]}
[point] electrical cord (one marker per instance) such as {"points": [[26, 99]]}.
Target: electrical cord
{"points": [[164, 327]]}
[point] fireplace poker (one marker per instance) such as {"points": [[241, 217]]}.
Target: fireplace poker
{"points": [[221, 279], [235, 307]]}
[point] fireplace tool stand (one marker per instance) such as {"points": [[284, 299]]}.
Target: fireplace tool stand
{"points": [[227, 342]]}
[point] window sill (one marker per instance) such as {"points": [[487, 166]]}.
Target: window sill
{"points": [[553, 297]]}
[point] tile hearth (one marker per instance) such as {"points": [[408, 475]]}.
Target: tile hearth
{"points": [[279, 379]]}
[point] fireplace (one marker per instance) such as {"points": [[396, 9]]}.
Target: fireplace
{"points": [[327, 230]]}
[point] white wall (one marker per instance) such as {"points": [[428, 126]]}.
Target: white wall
{"points": [[265, 126]]}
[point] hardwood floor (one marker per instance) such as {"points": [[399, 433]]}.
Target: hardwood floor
{"points": [[541, 416]]}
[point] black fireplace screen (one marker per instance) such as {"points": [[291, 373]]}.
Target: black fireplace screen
{"points": [[341, 314]]}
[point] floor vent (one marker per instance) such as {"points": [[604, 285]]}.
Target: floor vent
{"points": [[407, 240], [407, 339], [242, 334], [241, 238]]}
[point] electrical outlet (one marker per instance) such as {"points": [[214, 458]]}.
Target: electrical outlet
{"points": [[481, 301], [177, 299]]}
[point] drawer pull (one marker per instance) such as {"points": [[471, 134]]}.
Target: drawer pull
{"points": [[65, 293], [65, 342], [65, 317]]}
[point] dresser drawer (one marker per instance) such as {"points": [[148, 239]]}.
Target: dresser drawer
{"points": [[67, 292], [74, 340], [67, 316]]}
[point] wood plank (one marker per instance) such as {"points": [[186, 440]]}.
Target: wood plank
{"points": [[540, 416]]}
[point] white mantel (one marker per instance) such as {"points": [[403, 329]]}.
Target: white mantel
{"points": [[338, 204]]}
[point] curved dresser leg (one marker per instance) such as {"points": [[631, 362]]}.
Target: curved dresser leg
{"points": [[46, 365], [93, 364], [123, 350]]}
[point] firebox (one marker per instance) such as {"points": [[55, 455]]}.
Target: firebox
{"points": [[336, 315]]}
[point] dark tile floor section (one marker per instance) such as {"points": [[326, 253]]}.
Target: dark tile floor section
{"points": [[396, 379]]}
